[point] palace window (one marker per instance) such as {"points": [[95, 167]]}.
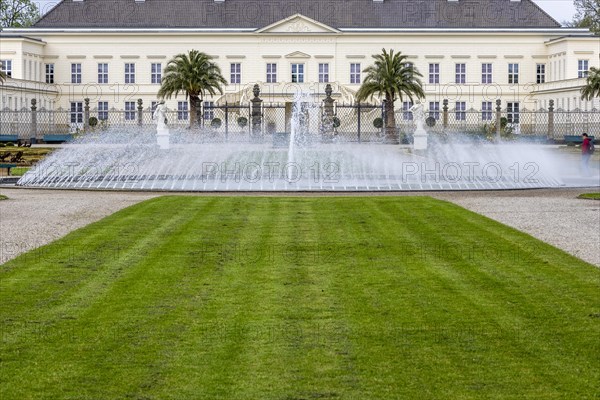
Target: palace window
{"points": [[355, 73], [582, 68], [49, 73], [271, 73], [461, 73], [129, 72], [323, 73], [6, 67], [102, 73], [76, 73], [129, 110], [540, 73], [434, 73], [103, 110], [156, 73], [486, 73], [513, 73], [76, 112], [486, 111], [297, 73], [407, 115], [512, 112], [153, 105], [182, 110], [461, 107], [209, 110], [434, 109], [235, 73]]}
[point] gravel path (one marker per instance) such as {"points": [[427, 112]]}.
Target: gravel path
{"points": [[32, 218]]}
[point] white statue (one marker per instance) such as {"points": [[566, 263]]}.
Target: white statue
{"points": [[418, 112], [160, 115], [162, 130], [420, 135]]}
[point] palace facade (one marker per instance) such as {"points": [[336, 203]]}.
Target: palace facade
{"points": [[470, 52]]}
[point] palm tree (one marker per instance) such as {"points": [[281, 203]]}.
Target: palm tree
{"points": [[194, 74], [393, 77], [592, 86]]}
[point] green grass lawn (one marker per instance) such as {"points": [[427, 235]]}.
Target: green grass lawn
{"points": [[298, 298], [590, 196], [3, 197]]}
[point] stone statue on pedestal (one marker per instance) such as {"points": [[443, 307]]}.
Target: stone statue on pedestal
{"points": [[162, 130], [420, 135]]}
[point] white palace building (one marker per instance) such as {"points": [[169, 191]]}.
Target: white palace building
{"points": [[470, 52]]}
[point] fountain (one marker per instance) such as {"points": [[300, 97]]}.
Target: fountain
{"points": [[182, 160]]}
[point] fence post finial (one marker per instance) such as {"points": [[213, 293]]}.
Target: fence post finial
{"points": [[86, 114], [498, 118]]}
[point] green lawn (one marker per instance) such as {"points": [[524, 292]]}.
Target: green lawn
{"points": [[590, 196], [3, 197], [298, 298]]}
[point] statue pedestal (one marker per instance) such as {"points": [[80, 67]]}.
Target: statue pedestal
{"points": [[163, 138], [420, 138]]}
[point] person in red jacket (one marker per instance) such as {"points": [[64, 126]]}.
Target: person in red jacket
{"points": [[585, 155]]}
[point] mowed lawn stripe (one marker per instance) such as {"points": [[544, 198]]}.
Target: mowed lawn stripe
{"points": [[299, 298]]}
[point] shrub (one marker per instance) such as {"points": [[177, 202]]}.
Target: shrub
{"points": [[378, 123], [2, 145], [10, 144], [336, 122], [216, 123], [242, 122], [93, 121]]}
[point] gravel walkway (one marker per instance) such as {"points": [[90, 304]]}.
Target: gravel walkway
{"points": [[32, 218]]}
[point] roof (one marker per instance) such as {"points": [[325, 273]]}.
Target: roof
{"points": [[339, 14]]}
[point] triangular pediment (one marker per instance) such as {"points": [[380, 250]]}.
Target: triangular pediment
{"points": [[297, 24], [297, 54]]}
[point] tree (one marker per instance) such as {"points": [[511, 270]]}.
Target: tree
{"points": [[592, 86], [194, 74], [588, 15], [393, 77], [18, 13]]}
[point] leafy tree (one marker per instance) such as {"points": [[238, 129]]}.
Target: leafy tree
{"points": [[592, 87], [194, 74], [588, 15], [393, 77], [18, 13]]}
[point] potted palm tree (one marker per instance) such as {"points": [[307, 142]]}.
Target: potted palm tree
{"points": [[194, 74], [394, 78], [592, 86]]}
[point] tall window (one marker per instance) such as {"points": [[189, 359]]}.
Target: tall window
{"points": [[6, 67], [486, 73], [540, 73], [355, 73], [130, 110], [49, 73], [407, 115], [323, 73], [271, 73], [513, 73], [434, 73], [434, 109], [102, 73], [582, 68], [486, 111], [75, 73], [297, 73], [461, 107], [236, 73], [461, 73], [76, 112], [209, 111], [153, 105], [182, 110], [129, 73], [103, 110], [512, 112], [156, 73]]}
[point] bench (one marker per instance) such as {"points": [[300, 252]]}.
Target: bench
{"points": [[57, 138], [571, 140], [7, 167], [9, 138]]}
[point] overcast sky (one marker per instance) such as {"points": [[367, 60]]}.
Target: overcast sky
{"points": [[561, 10]]}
